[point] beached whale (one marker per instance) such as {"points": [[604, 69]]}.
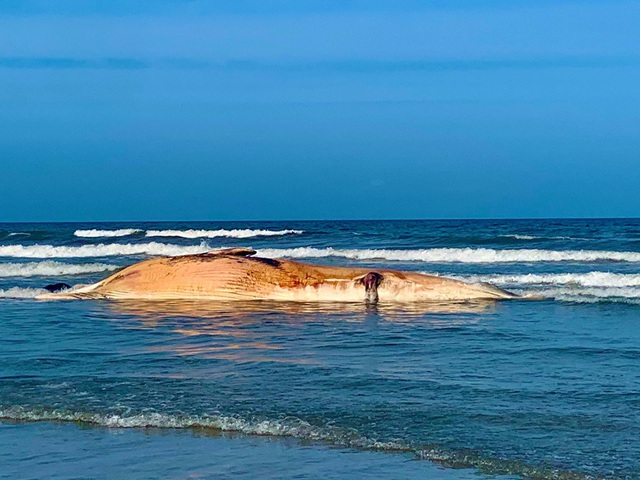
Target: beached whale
{"points": [[235, 274]]}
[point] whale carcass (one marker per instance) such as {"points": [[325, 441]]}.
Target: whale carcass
{"points": [[237, 274]]}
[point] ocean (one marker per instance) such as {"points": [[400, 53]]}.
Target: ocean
{"points": [[544, 389]]}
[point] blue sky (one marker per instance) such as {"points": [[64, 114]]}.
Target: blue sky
{"points": [[196, 110]]}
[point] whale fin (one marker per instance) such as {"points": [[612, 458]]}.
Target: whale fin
{"points": [[236, 252]]}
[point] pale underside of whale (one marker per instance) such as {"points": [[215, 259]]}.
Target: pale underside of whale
{"points": [[234, 274]]}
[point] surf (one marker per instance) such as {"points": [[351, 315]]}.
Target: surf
{"points": [[52, 268], [456, 255], [100, 250], [123, 232], [235, 233]]}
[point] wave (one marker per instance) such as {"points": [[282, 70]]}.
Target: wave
{"points": [[591, 295], [520, 237], [235, 233], [51, 268], [15, 234], [591, 287], [123, 232], [17, 292], [191, 233], [533, 237], [457, 255], [297, 428], [100, 250], [287, 427], [590, 279]]}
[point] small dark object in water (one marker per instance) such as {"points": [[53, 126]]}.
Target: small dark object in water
{"points": [[57, 287]]}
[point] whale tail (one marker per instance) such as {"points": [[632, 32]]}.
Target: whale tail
{"points": [[57, 287]]}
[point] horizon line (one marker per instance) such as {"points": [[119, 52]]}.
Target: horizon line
{"points": [[487, 219]]}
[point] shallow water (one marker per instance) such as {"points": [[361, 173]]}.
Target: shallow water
{"points": [[544, 389], [78, 452]]}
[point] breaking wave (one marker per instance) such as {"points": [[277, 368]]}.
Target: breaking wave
{"points": [[123, 232], [100, 250], [457, 255], [591, 287], [235, 233], [520, 237], [191, 233], [17, 292], [590, 279], [533, 237], [591, 295], [297, 428], [51, 268], [288, 427]]}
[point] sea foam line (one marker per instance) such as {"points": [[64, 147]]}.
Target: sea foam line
{"points": [[235, 233], [297, 428], [286, 427], [591, 294], [100, 250], [456, 255], [591, 287], [520, 237], [590, 279], [533, 237], [51, 268], [433, 255], [18, 292], [607, 292], [123, 232]]}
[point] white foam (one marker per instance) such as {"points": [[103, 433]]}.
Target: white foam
{"points": [[17, 292], [532, 237], [289, 427], [123, 232], [100, 250], [591, 294], [15, 234], [520, 237], [590, 287], [609, 292], [590, 279], [457, 255], [235, 233], [51, 268]]}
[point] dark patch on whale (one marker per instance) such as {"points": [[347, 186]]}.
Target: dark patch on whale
{"points": [[57, 287], [371, 282]]}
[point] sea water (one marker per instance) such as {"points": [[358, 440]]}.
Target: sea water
{"points": [[545, 389]]}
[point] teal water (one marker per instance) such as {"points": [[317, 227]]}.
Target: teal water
{"points": [[543, 390], [78, 452]]}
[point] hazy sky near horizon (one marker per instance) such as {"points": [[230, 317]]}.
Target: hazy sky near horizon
{"points": [[293, 109]]}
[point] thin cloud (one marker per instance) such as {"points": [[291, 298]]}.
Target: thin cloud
{"points": [[251, 7], [66, 63], [328, 66]]}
